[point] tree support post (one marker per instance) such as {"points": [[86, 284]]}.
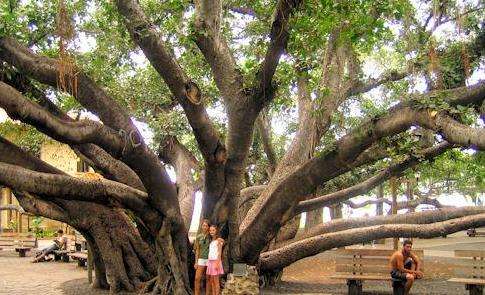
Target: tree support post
{"points": [[379, 208], [90, 265], [355, 287], [394, 207]]}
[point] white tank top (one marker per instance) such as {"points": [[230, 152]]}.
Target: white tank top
{"points": [[214, 250]]}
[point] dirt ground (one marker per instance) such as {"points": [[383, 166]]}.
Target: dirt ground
{"points": [[307, 276]]}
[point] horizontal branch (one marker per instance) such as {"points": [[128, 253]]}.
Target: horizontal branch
{"points": [[400, 205], [415, 217], [368, 184], [71, 188], [365, 86], [86, 131], [286, 255], [13, 155], [95, 156]]}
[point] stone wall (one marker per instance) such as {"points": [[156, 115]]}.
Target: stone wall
{"points": [[247, 284]]}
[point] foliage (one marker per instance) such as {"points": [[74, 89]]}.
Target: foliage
{"points": [[22, 135]]}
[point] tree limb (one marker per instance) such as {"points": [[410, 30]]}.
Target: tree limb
{"points": [[188, 94], [370, 183], [46, 70], [264, 90], [13, 155], [71, 188], [86, 131], [212, 44], [186, 165], [365, 86], [286, 255]]}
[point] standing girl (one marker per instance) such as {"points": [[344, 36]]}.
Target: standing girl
{"points": [[214, 264], [201, 247]]}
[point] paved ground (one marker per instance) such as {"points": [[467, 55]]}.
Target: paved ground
{"points": [[308, 276]]}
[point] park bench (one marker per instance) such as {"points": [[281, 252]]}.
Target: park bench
{"points": [[76, 243], [470, 270], [63, 255], [358, 265], [472, 232], [18, 242], [81, 257]]}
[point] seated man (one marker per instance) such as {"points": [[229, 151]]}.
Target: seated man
{"points": [[405, 268], [60, 243]]}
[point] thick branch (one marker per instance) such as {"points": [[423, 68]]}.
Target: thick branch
{"points": [[11, 154], [110, 167], [278, 41], [310, 246], [46, 70], [365, 86], [186, 165], [71, 188], [400, 205], [21, 108], [365, 186], [214, 47], [96, 157], [415, 217], [188, 94]]}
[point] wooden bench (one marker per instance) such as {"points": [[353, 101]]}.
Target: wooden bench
{"points": [[80, 241], [81, 257], [470, 270], [472, 232], [20, 243], [358, 265], [63, 255]]}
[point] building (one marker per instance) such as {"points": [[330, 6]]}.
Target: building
{"points": [[58, 155]]}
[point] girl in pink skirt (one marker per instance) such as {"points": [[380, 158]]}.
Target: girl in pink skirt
{"points": [[214, 264]]}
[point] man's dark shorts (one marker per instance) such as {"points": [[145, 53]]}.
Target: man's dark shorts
{"points": [[399, 276]]}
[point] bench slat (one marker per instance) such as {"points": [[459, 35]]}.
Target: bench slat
{"points": [[470, 272], [362, 269], [372, 252], [350, 276], [363, 260], [470, 253], [467, 281]]}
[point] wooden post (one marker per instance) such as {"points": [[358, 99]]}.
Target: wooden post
{"points": [[19, 222], [380, 207], [90, 265], [394, 207], [6, 192], [409, 193]]}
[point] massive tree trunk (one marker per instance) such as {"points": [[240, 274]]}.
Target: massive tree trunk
{"points": [[123, 260]]}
